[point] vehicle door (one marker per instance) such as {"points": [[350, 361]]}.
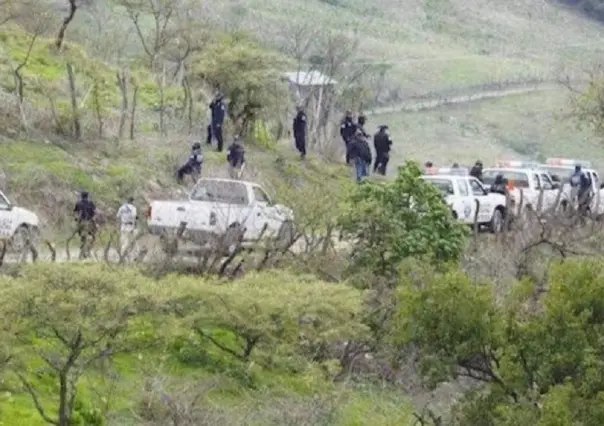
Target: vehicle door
{"points": [[263, 214], [549, 192], [484, 203], [221, 203], [468, 205], [6, 218]]}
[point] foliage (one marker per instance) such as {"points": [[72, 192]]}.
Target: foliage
{"points": [[65, 319], [391, 221], [265, 317], [247, 74], [541, 365]]}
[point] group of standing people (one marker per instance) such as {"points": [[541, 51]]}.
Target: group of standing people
{"points": [[358, 152]]}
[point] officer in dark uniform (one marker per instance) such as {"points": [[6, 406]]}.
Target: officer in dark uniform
{"points": [[299, 128], [477, 170], [218, 109], [193, 164], [382, 144], [236, 158], [85, 212], [361, 121], [347, 131], [499, 185]]}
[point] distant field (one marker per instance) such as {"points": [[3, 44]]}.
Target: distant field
{"points": [[530, 126], [438, 44]]}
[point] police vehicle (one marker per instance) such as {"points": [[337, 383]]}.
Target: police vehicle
{"points": [[461, 191], [561, 170], [17, 225], [528, 179]]}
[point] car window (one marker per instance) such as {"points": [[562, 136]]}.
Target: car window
{"points": [[560, 174], [477, 189], [516, 179], [537, 181], [546, 181], [261, 196], [220, 191], [463, 188], [445, 186]]}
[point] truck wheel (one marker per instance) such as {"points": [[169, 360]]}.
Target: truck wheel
{"points": [[497, 221], [285, 236], [21, 238]]}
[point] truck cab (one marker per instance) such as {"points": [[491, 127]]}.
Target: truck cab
{"points": [[528, 180], [461, 191], [18, 226]]}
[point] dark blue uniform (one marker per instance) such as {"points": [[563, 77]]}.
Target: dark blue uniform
{"points": [[218, 109], [347, 131], [192, 166], [299, 128]]}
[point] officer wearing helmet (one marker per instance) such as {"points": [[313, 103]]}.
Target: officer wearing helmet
{"points": [[476, 170], [193, 164]]}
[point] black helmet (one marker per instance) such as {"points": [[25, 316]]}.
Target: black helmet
{"points": [[84, 194], [196, 145]]}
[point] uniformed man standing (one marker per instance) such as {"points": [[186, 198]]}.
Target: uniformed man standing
{"points": [[382, 144], [236, 158], [218, 109], [85, 211], [127, 216], [299, 128], [347, 131]]}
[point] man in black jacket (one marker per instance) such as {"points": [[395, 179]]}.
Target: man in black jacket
{"points": [[299, 128], [360, 153], [218, 109], [85, 212], [347, 131], [382, 144], [477, 170], [236, 158]]}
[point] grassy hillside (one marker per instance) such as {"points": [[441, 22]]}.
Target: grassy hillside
{"points": [[529, 126], [439, 44]]}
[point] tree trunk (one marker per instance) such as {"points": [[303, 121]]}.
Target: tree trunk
{"points": [[61, 36], [98, 110], [64, 414], [133, 112], [77, 129], [121, 82]]}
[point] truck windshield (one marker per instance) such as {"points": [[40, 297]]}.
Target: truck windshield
{"points": [[220, 191], [445, 186], [560, 174], [517, 179]]}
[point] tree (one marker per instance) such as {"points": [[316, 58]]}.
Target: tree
{"points": [[268, 314], [247, 74], [73, 7], [390, 221], [67, 318], [539, 363]]}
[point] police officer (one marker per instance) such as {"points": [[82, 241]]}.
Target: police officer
{"points": [[499, 185], [347, 131], [85, 212], [218, 109], [455, 166], [299, 128], [382, 144], [360, 153], [127, 216], [581, 186], [361, 121], [236, 158], [193, 164], [476, 170]]}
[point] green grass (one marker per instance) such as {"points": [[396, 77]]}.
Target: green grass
{"points": [[527, 126], [440, 44]]}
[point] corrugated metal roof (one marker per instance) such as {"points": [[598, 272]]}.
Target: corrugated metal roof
{"points": [[312, 78]]}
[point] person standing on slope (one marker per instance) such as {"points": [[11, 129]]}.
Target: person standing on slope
{"points": [[236, 158], [360, 153], [347, 131], [382, 144], [299, 127], [218, 109], [85, 212], [127, 216]]}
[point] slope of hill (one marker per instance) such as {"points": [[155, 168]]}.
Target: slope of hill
{"points": [[438, 44]]}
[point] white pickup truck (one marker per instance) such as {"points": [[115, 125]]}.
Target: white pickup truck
{"points": [[531, 181], [461, 193], [18, 225], [223, 210]]}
